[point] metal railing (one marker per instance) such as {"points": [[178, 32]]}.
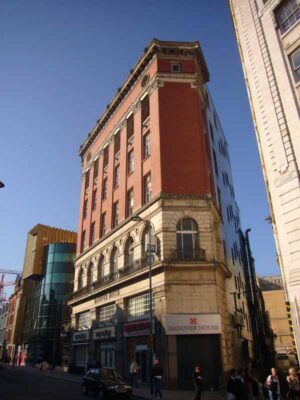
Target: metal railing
{"points": [[188, 255]]}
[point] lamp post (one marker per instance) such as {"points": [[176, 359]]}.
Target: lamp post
{"points": [[149, 256]]}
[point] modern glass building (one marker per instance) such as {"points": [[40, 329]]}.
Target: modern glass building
{"points": [[46, 305]]}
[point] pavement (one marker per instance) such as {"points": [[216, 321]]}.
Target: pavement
{"points": [[140, 393]]}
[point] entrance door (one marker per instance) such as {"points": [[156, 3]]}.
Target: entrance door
{"points": [[201, 350], [141, 359]]}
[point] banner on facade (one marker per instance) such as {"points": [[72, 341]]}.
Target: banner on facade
{"points": [[104, 333], [81, 336], [140, 328], [194, 324]]}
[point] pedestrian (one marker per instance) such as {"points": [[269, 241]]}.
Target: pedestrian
{"points": [[198, 383], [239, 385], [294, 386], [134, 370], [230, 385], [273, 385], [157, 374]]}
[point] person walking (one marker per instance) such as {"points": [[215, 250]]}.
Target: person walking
{"points": [[230, 385], [273, 385], [157, 374], [294, 385], [239, 385], [198, 383], [134, 370]]}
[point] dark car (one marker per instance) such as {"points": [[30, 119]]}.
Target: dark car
{"points": [[107, 382]]}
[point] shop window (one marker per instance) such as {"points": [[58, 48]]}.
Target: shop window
{"points": [[139, 306], [187, 239], [106, 313], [84, 320]]}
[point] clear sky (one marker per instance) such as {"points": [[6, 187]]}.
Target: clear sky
{"points": [[61, 62]]}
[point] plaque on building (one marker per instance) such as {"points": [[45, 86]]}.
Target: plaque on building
{"points": [[106, 332], [194, 324], [81, 336]]}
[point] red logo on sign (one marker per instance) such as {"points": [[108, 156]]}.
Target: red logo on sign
{"points": [[193, 321]]}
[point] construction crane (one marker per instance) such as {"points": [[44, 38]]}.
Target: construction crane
{"points": [[2, 284]]}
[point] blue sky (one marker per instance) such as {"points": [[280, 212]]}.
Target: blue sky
{"points": [[61, 63]]}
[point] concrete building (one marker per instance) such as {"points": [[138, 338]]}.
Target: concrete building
{"points": [[159, 153], [275, 305], [268, 36]]}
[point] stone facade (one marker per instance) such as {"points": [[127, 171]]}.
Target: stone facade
{"points": [[267, 43]]}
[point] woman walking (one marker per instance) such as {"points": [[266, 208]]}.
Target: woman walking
{"points": [[294, 386], [273, 385]]}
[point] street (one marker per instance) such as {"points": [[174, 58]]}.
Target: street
{"points": [[28, 384]]}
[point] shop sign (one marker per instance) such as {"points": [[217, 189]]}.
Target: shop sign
{"points": [[140, 328], [81, 336], [195, 324], [105, 333]]}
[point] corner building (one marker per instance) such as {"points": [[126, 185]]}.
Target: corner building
{"points": [[268, 35], [158, 152]]}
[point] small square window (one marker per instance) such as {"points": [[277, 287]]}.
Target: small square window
{"points": [[176, 67]]}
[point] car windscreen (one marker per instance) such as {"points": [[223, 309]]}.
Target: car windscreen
{"points": [[112, 374]]}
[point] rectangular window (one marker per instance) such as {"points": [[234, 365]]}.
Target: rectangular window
{"points": [[82, 243], [94, 199], [139, 306], [130, 162], [287, 14], [147, 145], [175, 67], [96, 165], [147, 188], [84, 320], [85, 205], [87, 179], [220, 203], [115, 214], [117, 176], [215, 163], [105, 156], [130, 127], [145, 108], [295, 63], [104, 189], [103, 224], [106, 313], [130, 200], [92, 233], [117, 143]]}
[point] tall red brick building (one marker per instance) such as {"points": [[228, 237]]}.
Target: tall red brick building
{"points": [[158, 152]]}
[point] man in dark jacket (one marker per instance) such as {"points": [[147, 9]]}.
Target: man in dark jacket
{"points": [[157, 374], [230, 385], [198, 383]]}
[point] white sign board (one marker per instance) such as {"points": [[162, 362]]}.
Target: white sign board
{"points": [[193, 324]]}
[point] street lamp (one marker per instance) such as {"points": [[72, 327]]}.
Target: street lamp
{"points": [[150, 249]]}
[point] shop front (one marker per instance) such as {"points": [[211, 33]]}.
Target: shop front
{"points": [[136, 336], [80, 344], [194, 340], [105, 345]]}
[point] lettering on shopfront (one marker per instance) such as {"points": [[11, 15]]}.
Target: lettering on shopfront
{"points": [[107, 296], [80, 336], [141, 328], [193, 324], [105, 333]]}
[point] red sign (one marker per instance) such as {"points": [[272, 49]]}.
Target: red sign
{"points": [[140, 328]]}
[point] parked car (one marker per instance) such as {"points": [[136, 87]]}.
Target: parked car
{"points": [[107, 382]]}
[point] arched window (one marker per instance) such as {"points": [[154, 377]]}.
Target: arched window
{"points": [[89, 275], [145, 239], [129, 253], [114, 261], [80, 279], [187, 239], [100, 268]]}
